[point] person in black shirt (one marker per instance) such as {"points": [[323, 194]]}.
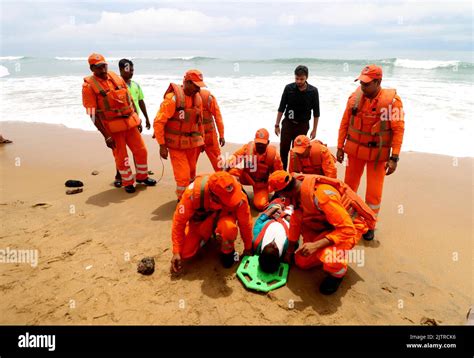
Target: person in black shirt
{"points": [[297, 102]]}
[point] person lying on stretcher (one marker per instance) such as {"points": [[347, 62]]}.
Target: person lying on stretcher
{"points": [[270, 234]]}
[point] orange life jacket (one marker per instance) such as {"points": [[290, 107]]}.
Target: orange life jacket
{"points": [[116, 105], [208, 123], [312, 164], [184, 129], [369, 136], [264, 164], [354, 205]]}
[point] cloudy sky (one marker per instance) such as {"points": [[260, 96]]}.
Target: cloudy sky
{"points": [[231, 29]]}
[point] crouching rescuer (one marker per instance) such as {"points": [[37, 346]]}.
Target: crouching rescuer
{"points": [[330, 217]]}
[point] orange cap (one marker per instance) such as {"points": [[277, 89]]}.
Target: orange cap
{"points": [[301, 143], [278, 180], [196, 77], [226, 187], [369, 73], [262, 136], [96, 59]]}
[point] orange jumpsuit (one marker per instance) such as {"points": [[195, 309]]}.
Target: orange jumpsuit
{"points": [[212, 118], [257, 177], [130, 137], [327, 168], [190, 231], [333, 223], [183, 160], [375, 170]]}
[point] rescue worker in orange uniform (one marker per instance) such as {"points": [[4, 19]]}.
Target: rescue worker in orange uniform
{"points": [[107, 100], [259, 159], [178, 128], [214, 204], [212, 118], [311, 157], [371, 134], [330, 217]]}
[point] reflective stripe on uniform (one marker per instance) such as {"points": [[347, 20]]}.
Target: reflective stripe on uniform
{"points": [[125, 172], [142, 166], [373, 206], [340, 272], [329, 192], [128, 178], [142, 171]]}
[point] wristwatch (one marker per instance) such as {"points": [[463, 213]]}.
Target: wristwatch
{"points": [[395, 159]]}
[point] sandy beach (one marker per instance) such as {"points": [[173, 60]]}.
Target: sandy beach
{"points": [[418, 269]]}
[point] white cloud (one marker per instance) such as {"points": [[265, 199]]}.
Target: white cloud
{"points": [[371, 13], [152, 22]]}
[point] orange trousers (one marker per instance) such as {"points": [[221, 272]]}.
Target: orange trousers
{"points": [[375, 179], [184, 167], [332, 257], [133, 139], [213, 153], [260, 190], [198, 233]]}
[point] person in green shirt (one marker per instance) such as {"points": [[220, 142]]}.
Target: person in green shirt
{"points": [[126, 71]]}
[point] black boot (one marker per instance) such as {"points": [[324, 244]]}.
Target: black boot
{"points": [[330, 285], [147, 182], [369, 235], [130, 189], [227, 260]]}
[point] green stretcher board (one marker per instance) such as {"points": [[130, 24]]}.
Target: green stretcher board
{"points": [[255, 279]]}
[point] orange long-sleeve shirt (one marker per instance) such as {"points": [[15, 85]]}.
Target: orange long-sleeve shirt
{"points": [[185, 211], [166, 111], [216, 114], [327, 163], [329, 202], [365, 105]]}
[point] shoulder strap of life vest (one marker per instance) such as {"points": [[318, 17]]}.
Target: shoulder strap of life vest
{"points": [[387, 97], [358, 95], [270, 155], [115, 79], [250, 149], [307, 192], [199, 193], [206, 98], [180, 98], [96, 87], [315, 153]]}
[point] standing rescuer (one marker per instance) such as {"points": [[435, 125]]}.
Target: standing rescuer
{"points": [[371, 133], [212, 118], [179, 130], [297, 102], [107, 100], [330, 217], [212, 205]]}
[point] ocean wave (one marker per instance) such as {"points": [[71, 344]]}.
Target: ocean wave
{"points": [[11, 58], [3, 71], [424, 64], [61, 58]]}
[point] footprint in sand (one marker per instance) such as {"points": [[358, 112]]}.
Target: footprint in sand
{"points": [[41, 205]]}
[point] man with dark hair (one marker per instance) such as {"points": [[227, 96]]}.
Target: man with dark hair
{"points": [[270, 234], [126, 72], [297, 102]]}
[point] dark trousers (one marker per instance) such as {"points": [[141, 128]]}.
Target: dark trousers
{"points": [[289, 131]]}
